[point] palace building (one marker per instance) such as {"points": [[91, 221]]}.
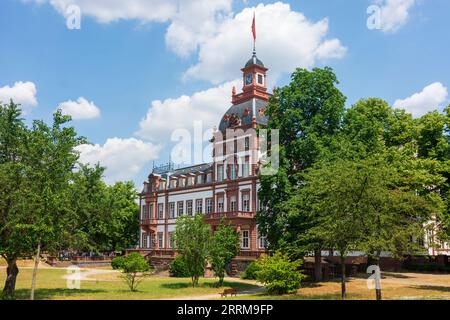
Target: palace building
{"points": [[225, 189]]}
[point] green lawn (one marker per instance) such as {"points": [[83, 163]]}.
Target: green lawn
{"points": [[51, 285]]}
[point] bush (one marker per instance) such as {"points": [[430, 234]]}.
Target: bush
{"points": [[178, 268], [117, 263], [279, 274], [134, 269], [250, 271]]}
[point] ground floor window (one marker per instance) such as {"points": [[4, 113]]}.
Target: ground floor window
{"points": [[171, 240], [160, 240], [144, 241], [262, 242], [220, 204], [152, 241]]}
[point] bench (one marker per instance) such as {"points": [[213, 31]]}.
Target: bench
{"points": [[228, 291]]}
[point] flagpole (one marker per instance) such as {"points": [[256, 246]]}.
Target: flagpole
{"points": [[254, 33]]}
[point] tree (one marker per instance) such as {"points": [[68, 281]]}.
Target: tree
{"points": [[192, 238], [278, 274], [134, 269], [36, 164], [12, 136], [224, 246], [308, 112], [369, 205], [104, 217], [49, 161], [123, 210]]}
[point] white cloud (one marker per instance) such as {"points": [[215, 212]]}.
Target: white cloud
{"points": [[208, 106], [23, 93], [394, 13], [286, 39], [80, 109], [123, 158], [429, 99]]}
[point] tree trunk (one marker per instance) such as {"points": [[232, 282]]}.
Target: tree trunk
{"points": [[11, 275], [343, 287], [378, 287], [318, 265], [35, 269]]}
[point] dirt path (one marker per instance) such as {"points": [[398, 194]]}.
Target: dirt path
{"points": [[86, 274], [212, 296]]}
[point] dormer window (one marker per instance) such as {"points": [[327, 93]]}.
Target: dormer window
{"points": [[200, 179]]}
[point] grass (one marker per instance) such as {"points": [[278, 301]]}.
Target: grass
{"points": [[395, 286], [51, 285], [106, 286]]}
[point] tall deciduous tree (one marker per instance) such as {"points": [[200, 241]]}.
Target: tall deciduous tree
{"points": [[308, 112], [12, 179], [192, 239], [223, 247], [369, 205]]}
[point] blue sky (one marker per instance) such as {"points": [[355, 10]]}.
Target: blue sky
{"points": [[136, 75]]}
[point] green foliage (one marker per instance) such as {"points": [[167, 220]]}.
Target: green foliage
{"points": [[250, 272], [224, 246], [192, 238], [118, 263], [105, 217], [279, 274], [308, 112], [134, 269], [45, 203], [178, 267]]}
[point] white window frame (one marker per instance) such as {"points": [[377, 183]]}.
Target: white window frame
{"points": [[160, 240], [160, 211], [171, 210], [189, 208], [245, 239], [199, 206], [209, 205], [233, 203], [246, 202]]}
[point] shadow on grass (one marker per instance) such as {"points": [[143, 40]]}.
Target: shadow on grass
{"points": [[45, 294], [394, 275], [311, 285], [232, 284], [431, 288]]}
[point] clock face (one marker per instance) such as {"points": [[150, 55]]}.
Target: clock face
{"points": [[248, 79]]}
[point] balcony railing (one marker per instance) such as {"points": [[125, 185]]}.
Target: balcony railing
{"points": [[235, 214]]}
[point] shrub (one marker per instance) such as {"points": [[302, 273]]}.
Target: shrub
{"points": [[134, 269], [279, 274], [178, 268], [117, 263], [250, 272]]}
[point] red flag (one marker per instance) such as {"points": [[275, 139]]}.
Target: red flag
{"points": [[254, 28]]}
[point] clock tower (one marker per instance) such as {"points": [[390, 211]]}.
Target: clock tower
{"points": [[254, 78]]}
